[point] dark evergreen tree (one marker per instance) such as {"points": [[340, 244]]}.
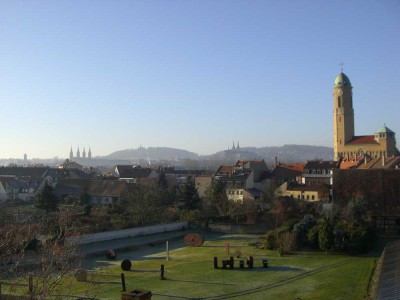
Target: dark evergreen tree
{"points": [[84, 198], [326, 234], [47, 200], [162, 180], [187, 197]]}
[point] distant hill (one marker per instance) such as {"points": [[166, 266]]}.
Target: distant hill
{"points": [[293, 153], [152, 153], [285, 153]]}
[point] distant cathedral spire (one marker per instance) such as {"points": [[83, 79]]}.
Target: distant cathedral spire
{"points": [[89, 154], [84, 153], [71, 154], [233, 146], [237, 147], [78, 153]]}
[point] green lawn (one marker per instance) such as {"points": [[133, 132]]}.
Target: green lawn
{"points": [[190, 274]]}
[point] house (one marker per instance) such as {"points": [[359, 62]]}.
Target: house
{"points": [[237, 183], [13, 188], [72, 187], [22, 183], [70, 165], [309, 193], [261, 172], [106, 191], [131, 174], [3, 187], [318, 172], [287, 173]]}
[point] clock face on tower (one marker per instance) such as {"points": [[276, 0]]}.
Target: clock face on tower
{"points": [[340, 92]]}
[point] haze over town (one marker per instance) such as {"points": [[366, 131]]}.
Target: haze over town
{"points": [[193, 75]]}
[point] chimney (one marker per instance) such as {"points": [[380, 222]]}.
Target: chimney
{"points": [[276, 161]]}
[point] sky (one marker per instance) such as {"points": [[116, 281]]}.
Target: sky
{"points": [[193, 75]]}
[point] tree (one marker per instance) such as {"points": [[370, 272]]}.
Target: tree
{"points": [[326, 233], [215, 203], [162, 180], [46, 199], [139, 202], [43, 244], [84, 198], [187, 197]]}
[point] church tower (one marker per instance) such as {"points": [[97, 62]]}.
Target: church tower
{"points": [[78, 153], [84, 153], [343, 114], [71, 154], [89, 154]]}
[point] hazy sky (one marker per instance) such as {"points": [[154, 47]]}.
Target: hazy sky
{"points": [[194, 75]]}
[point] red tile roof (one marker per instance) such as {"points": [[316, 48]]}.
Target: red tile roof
{"points": [[352, 162], [363, 139], [295, 166], [225, 170]]}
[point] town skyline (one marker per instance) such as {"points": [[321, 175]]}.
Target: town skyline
{"points": [[193, 76]]}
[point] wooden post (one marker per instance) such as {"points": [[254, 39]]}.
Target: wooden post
{"points": [[227, 248], [162, 272], [167, 246], [123, 282], [215, 262], [30, 284]]}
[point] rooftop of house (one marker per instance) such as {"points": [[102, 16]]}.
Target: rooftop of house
{"points": [[106, 188], [351, 162], [293, 166], [282, 172], [225, 170], [251, 163], [128, 171], [321, 165], [33, 172]]}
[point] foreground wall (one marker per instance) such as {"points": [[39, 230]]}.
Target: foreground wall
{"points": [[125, 233]]}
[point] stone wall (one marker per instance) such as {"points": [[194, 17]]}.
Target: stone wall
{"points": [[126, 233]]}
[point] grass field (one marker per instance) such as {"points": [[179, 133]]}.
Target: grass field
{"points": [[190, 275]]}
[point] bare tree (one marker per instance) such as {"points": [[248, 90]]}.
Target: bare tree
{"points": [[38, 248]]}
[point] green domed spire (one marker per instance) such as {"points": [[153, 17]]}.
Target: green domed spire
{"points": [[342, 80]]}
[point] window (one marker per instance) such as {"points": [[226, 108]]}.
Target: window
{"points": [[312, 197], [339, 101]]}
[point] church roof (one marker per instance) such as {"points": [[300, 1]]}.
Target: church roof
{"points": [[362, 139], [342, 80], [384, 129], [380, 163]]}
